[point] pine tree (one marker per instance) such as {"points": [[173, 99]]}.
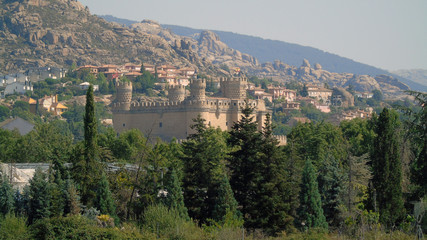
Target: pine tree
{"points": [[104, 200], [72, 199], [331, 181], [6, 196], [225, 202], [310, 211], [204, 155], [39, 197], [245, 164], [174, 198], [387, 168]]}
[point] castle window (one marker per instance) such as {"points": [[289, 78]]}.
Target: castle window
{"points": [[124, 124], [226, 123], [160, 124], [234, 104]]}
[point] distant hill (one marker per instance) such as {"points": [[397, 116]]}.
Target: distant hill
{"points": [[416, 75], [293, 54]]}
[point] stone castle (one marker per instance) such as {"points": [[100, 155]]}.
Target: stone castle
{"points": [[174, 117]]}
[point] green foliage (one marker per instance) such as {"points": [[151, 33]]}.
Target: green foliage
{"points": [[174, 198], [310, 211], [416, 126], [167, 223], [204, 166], [387, 168], [79, 227], [304, 91], [13, 228], [331, 180], [7, 200], [4, 113], [143, 83], [360, 135], [39, 197], [104, 200], [315, 141]]}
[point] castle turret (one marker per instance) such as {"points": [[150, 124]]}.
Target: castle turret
{"points": [[197, 89], [124, 95], [176, 93], [234, 88]]}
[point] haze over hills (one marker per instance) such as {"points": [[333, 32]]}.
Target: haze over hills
{"points": [[265, 50]]}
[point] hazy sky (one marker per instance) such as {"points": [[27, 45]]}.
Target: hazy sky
{"points": [[390, 34]]}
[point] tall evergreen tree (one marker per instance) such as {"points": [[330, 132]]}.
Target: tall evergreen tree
{"points": [[257, 175], [104, 200], [331, 182], [86, 169], [204, 155], [72, 199], [225, 202], [39, 197], [174, 198], [387, 168], [310, 211], [7, 200]]}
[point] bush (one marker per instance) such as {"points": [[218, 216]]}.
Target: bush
{"points": [[79, 227], [12, 227], [166, 223]]}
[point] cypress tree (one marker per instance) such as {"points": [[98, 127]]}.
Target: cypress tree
{"points": [[387, 168], [6, 196], [39, 197], [90, 168], [174, 198], [310, 211], [104, 200]]}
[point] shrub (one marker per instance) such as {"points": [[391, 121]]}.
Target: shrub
{"points": [[12, 227], [79, 227], [166, 223]]}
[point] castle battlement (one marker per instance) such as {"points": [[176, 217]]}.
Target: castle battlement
{"points": [[233, 79], [124, 85]]}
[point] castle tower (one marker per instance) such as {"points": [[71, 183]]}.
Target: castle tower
{"points": [[176, 93], [234, 88], [124, 95], [197, 89]]}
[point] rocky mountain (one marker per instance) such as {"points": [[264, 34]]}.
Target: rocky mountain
{"points": [[37, 33], [278, 54]]}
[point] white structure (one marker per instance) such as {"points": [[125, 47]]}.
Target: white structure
{"points": [[85, 86], [18, 87]]}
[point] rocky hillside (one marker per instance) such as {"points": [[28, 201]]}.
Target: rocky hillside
{"points": [[36, 33]]}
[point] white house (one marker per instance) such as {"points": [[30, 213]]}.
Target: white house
{"points": [[85, 86], [18, 87]]}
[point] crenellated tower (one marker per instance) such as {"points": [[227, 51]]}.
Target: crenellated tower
{"points": [[123, 95], [234, 88], [176, 93], [197, 89]]}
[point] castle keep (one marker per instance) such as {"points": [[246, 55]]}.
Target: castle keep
{"points": [[174, 117]]}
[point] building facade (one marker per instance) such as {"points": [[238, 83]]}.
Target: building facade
{"points": [[173, 118]]}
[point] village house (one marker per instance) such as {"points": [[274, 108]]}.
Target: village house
{"points": [[85, 86], [259, 93], [18, 88], [282, 92], [320, 93], [49, 103]]}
